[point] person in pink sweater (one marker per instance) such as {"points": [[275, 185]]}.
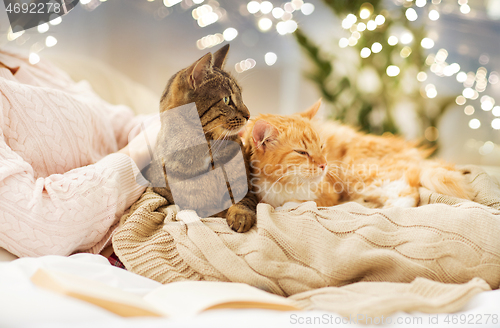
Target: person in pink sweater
{"points": [[66, 172]]}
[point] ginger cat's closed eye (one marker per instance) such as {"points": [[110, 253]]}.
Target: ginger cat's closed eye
{"points": [[296, 158]]}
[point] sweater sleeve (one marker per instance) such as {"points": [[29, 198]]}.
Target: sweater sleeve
{"points": [[62, 213], [124, 122], [122, 118]]}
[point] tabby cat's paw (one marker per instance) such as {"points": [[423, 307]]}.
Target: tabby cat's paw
{"points": [[240, 218]]}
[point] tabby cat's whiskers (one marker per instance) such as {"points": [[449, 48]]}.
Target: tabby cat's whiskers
{"points": [[376, 171], [220, 144]]}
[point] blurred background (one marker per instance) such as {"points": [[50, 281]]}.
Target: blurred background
{"points": [[424, 69]]}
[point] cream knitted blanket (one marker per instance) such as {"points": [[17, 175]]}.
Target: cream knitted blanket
{"points": [[347, 258]]}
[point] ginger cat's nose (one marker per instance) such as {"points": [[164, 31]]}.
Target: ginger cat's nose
{"points": [[323, 166]]}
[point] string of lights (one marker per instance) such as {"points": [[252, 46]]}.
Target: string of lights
{"points": [[474, 83]]}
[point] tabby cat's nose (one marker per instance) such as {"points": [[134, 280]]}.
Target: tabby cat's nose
{"points": [[245, 112], [322, 166]]}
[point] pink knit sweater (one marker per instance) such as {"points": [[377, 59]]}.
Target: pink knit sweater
{"points": [[62, 189]]}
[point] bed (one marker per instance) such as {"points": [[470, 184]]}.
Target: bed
{"points": [[24, 305]]}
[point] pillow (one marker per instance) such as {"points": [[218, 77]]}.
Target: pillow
{"points": [[110, 84]]}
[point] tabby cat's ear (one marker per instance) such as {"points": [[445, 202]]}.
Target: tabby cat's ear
{"points": [[197, 72], [311, 112], [220, 56], [263, 132]]}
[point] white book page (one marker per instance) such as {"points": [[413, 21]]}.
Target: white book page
{"points": [[88, 290], [187, 298]]}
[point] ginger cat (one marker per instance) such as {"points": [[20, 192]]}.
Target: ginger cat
{"points": [[221, 114], [295, 158]]}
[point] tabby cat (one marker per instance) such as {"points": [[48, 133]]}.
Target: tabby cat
{"points": [[295, 158], [222, 114]]}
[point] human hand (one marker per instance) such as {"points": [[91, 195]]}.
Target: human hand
{"points": [[142, 140]]}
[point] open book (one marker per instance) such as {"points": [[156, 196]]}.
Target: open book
{"points": [[184, 298]]}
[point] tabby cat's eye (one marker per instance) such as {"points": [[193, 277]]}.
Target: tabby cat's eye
{"points": [[302, 152], [226, 100]]}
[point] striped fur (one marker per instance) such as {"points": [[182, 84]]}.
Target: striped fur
{"points": [[208, 85]]}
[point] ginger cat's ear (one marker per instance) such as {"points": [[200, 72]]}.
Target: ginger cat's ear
{"points": [[197, 71], [220, 56], [311, 112], [263, 132]]}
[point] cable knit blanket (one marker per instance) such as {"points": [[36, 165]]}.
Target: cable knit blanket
{"points": [[348, 259]]}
